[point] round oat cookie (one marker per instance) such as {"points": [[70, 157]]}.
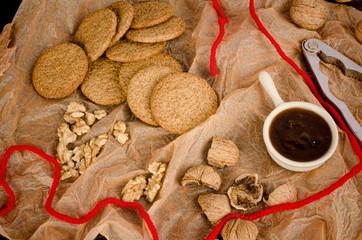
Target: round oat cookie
{"points": [[182, 101], [101, 84], [128, 69], [165, 31], [129, 51], [96, 32], [60, 70], [124, 12], [148, 14], [140, 89]]}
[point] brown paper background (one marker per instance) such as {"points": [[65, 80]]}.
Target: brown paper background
{"points": [[27, 118]]}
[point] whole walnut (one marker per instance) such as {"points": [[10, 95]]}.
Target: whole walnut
{"points": [[358, 32], [238, 229], [309, 14]]}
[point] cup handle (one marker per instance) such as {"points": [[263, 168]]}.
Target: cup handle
{"points": [[268, 84]]}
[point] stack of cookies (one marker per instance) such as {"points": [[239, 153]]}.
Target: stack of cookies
{"points": [[117, 55]]}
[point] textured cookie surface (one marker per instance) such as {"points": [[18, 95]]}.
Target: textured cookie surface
{"points": [[151, 13], [140, 89], [124, 12], [181, 101], [165, 31], [60, 70], [101, 84], [129, 51], [128, 69], [96, 32]]}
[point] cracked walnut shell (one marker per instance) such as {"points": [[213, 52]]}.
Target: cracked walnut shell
{"points": [[239, 229], [245, 193], [202, 174], [286, 193], [215, 206], [309, 14], [222, 152]]}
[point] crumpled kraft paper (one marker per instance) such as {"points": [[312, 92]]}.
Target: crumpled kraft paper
{"points": [[27, 118]]}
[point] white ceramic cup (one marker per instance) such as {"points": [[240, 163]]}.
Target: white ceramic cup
{"points": [[280, 105]]}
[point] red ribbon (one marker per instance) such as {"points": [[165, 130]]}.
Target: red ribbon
{"points": [[222, 21], [337, 117], [282, 207], [48, 204]]}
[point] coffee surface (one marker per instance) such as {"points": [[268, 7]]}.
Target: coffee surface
{"points": [[300, 134]]}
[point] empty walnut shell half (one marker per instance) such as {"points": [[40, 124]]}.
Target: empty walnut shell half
{"points": [[285, 193], [222, 152], [202, 174], [245, 193], [215, 206], [238, 229]]}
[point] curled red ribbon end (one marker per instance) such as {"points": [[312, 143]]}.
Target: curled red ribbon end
{"points": [[48, 207], [222, 21]]}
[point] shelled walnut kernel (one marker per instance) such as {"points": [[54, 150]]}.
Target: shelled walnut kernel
{"points": [[154, 183], [134, 189], [119, 132], [74, 161], [141, 185]]}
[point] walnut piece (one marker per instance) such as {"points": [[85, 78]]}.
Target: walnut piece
{"points": [[215, 206], [222, 152], [358, 32], [100, 114], [81, 157], [133, 190], [74, 112], [89, 118], [309, 14], [239, 229], [202, 174], [75, 161], [80, 127], [285, 193], [154, 184], [119, 130], [65, 137], [245, 193]]}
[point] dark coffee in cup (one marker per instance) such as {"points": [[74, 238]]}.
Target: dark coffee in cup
{"points": [[300, 134]]}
